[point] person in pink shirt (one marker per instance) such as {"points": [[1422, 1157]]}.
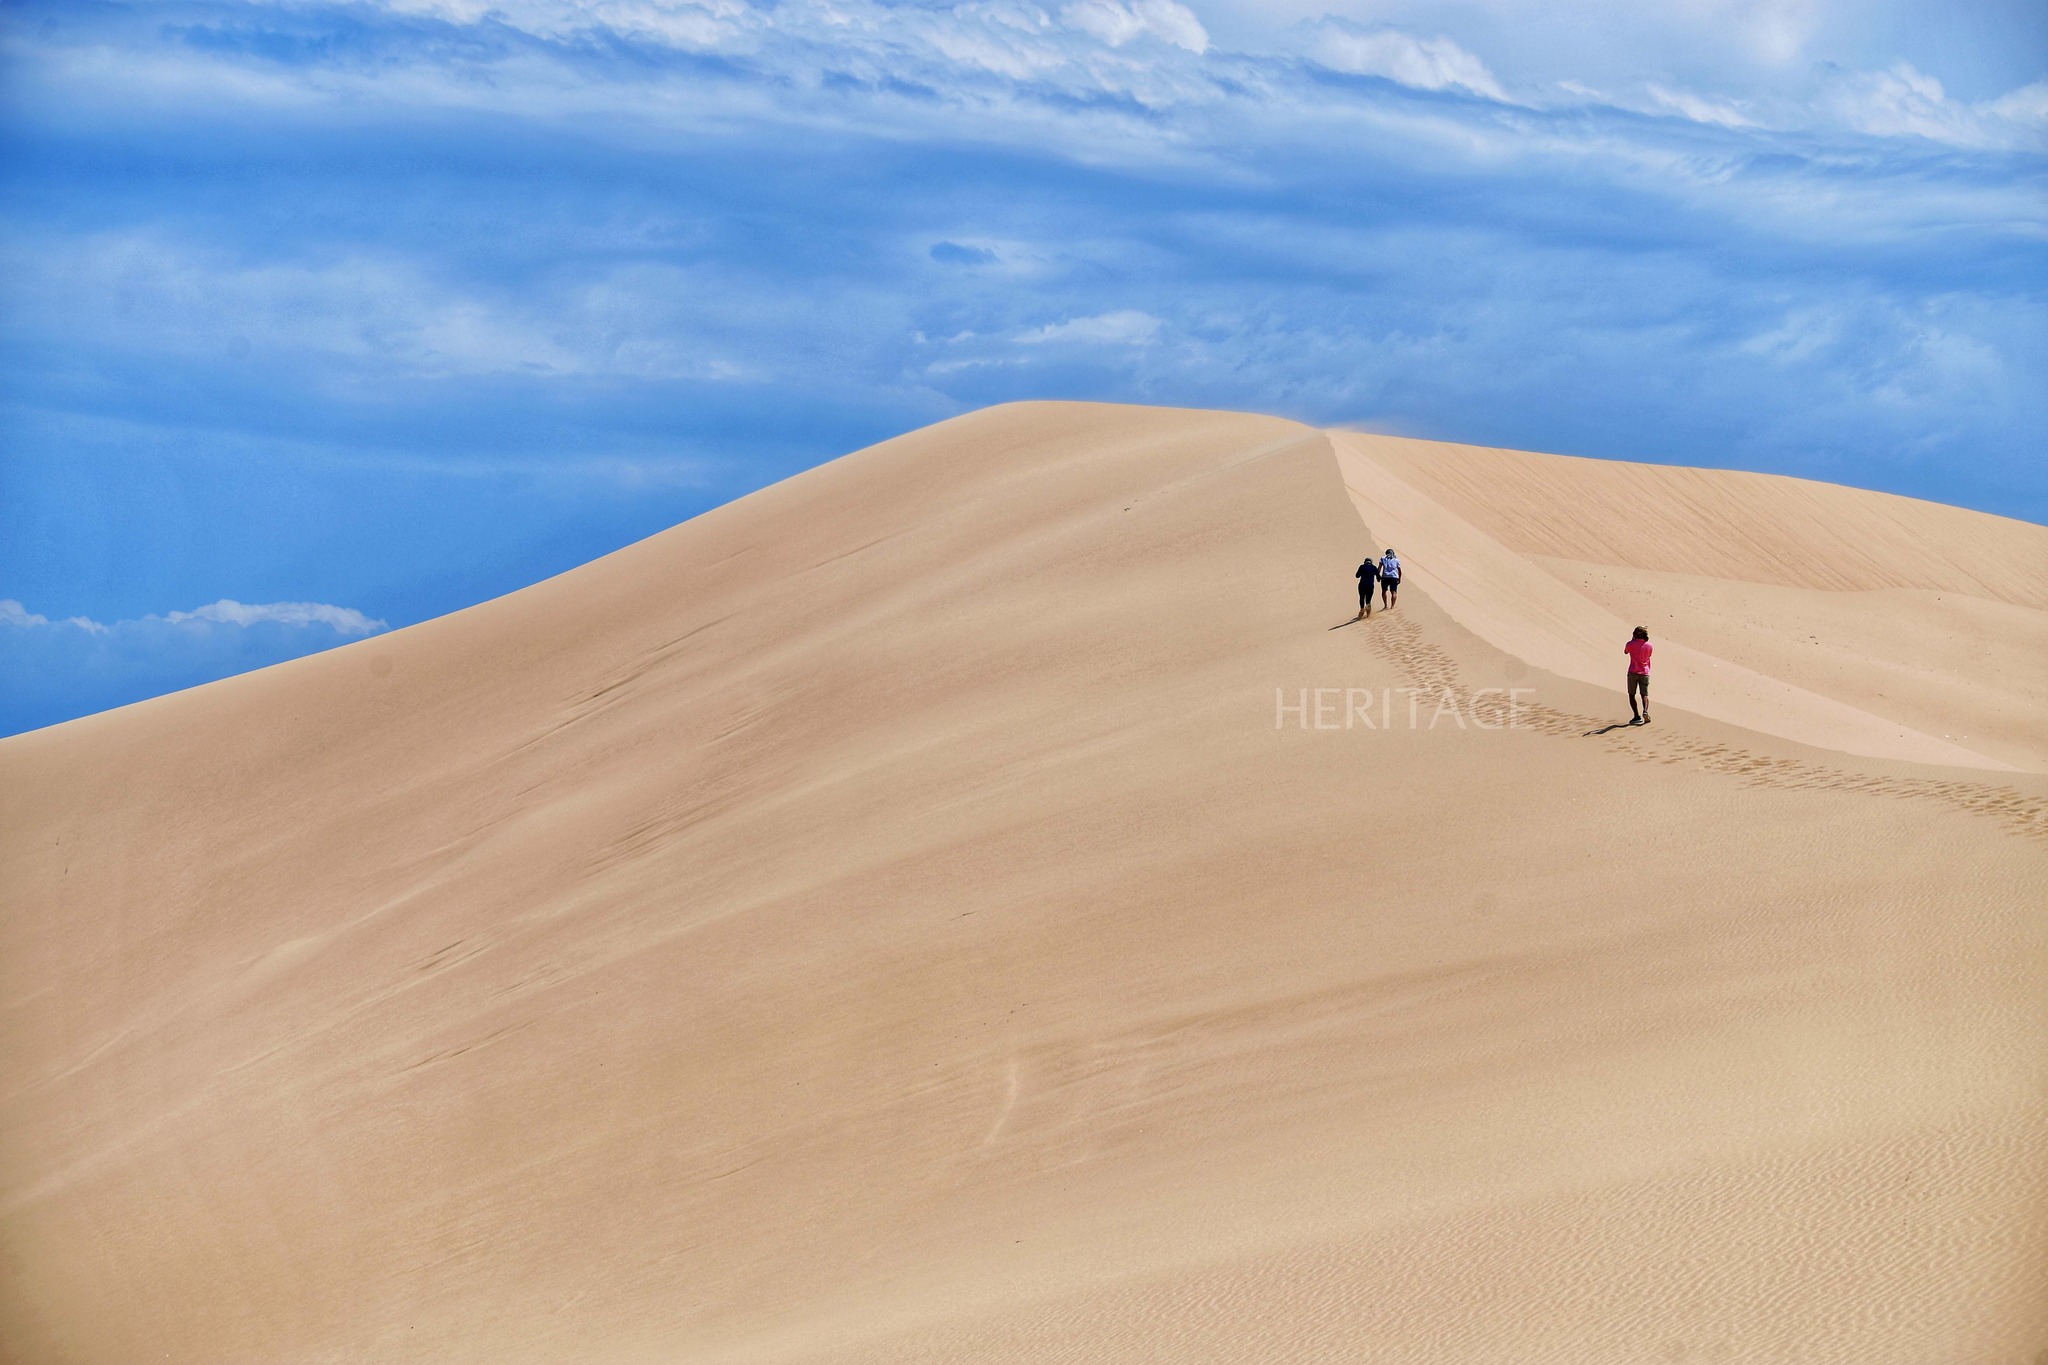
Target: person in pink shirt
{"points": [[1638, 651]]}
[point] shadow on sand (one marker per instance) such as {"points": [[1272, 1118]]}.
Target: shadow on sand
{"points": [[1352, 622], [1618, 725]]}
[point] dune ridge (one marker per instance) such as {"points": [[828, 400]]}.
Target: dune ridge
{"points": [[890, 917]]}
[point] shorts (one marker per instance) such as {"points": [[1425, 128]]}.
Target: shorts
{"points": [[1391, 584], [1639, 682]]}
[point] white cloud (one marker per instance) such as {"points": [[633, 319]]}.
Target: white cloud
{"points": [[1700, 109], [12, 613], [1420, 63], [344, 621], [228, 612], [2027, 105], [812, 43], [1125, 327], [1904, 101], [699, 24], [1117, 22], [1900, 101], [1803, 334], [980, 32]]}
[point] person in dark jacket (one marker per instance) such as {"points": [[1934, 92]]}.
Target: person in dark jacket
{"points": [[1368, 577]]}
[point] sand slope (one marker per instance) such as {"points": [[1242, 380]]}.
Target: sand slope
{"points": [[882, 920]]}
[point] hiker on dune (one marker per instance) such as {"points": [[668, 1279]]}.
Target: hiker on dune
{"points": [[1390, 578], [1367, 576], [1638, 651]]}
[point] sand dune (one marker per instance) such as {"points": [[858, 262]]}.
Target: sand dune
{"points": [[882, 920]]}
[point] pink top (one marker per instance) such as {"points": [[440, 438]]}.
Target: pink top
{"points": [[1638, 652]]}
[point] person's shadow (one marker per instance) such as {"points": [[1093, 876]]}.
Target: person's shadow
{"points": [[1618, 725], [1356, 620]]}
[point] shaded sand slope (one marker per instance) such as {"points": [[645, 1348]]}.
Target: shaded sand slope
{"points": [[881, 920]]}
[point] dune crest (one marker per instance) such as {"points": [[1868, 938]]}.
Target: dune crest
{"points": [[897, 917]]}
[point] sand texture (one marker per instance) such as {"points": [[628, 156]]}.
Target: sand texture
{"points": [[880, 920]]}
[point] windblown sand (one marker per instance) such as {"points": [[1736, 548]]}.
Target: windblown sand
{"points": [[881, 920]]}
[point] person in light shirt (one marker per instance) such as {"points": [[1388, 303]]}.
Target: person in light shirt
{"points": [[1638, 651], [1390, 578]]}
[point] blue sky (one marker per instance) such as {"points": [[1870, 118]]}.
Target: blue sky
{"points": [[322, 319]]}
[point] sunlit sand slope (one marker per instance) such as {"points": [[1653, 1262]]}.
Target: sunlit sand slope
{"points": [[882, 920]]}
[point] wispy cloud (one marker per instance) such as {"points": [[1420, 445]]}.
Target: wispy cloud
{"points": [[1124, 327], [345, 622], [1423, 63], [13, 614], [1117, 22], [1700, 109], [1902, 101]]}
